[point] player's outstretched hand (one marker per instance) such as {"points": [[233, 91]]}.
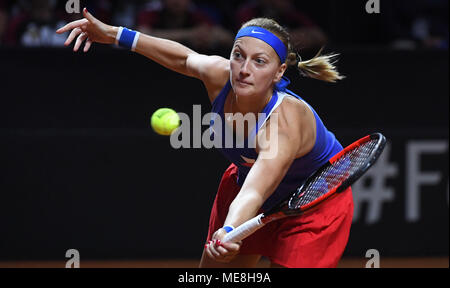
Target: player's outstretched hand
{"points": [[222, 252], [88, 29]]}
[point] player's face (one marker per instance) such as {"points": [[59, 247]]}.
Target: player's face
{"points": [[254, 67]]}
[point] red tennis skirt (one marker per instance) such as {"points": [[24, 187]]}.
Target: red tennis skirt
{"points": [[315, 239]]}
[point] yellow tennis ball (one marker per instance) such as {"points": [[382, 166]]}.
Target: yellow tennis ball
{"points": [[164, 121]]}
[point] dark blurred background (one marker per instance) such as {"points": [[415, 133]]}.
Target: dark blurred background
{"points": [[82, 169], [404, 25]]}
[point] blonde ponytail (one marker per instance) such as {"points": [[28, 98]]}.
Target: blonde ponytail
{"points": [[321, 67]]}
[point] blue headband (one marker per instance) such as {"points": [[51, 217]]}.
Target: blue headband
{"points": [[266, 36]]}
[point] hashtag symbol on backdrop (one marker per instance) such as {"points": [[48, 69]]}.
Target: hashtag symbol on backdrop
{"points": [[372, 188]]}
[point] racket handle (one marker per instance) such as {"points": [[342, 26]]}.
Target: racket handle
{"points": [[244, 230]]}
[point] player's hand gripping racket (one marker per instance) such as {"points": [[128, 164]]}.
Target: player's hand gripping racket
{"points": [[335, 176]]}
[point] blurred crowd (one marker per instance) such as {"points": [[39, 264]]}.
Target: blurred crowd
{"points": [[211, 25]]}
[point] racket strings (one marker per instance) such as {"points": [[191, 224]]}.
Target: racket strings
{"points": [[335, 174]]}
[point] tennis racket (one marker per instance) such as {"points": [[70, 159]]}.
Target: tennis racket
{"points": [[341, 171]]}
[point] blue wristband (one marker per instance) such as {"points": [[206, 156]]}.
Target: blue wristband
{"points": [[127, 38], [228, 228]]}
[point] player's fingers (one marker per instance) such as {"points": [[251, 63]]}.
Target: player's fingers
{"points": [[72, 25], [219, 253], [75, 32], [213, 250], [212, 254], [223, 252], [232, 247], [88, 15], [209, 253], [80, 40], [226, 253], [87, 45]]}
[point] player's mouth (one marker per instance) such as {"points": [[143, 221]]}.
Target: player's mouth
{"points": [[243, 83]]}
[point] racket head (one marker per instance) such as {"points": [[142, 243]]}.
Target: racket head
{"points": [[338, 174]]}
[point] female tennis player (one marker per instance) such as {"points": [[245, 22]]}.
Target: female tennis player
{"points": [[251, 82]]}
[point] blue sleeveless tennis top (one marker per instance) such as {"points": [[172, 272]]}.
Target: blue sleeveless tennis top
{"points": [[244, 155]]}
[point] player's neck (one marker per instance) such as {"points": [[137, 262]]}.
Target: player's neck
{"points": [[251, 104]]}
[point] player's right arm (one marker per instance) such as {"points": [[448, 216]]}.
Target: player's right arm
{"points": [[212, 70]]}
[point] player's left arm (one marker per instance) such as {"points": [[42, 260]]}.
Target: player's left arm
{"points": [[277, 151], [275, 156]]}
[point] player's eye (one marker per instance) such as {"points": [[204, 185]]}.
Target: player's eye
{"points": [[260, 61], [237, 55]]}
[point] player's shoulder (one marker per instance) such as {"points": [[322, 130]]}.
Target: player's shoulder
{"points": [[213, 71], [294, 116], [296, 120], [292, 108]]}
